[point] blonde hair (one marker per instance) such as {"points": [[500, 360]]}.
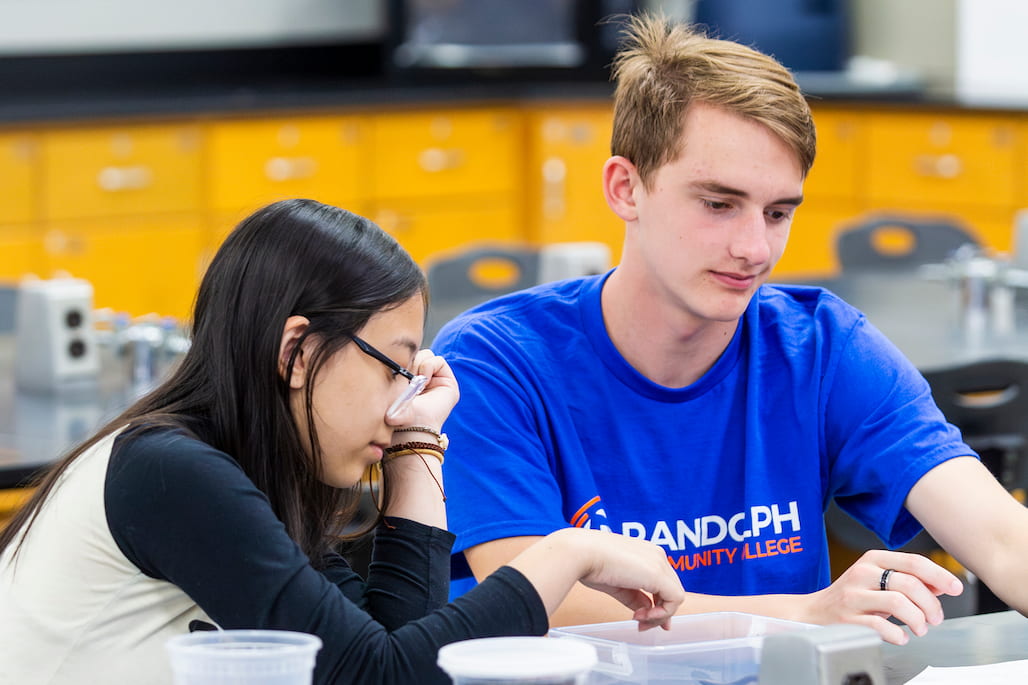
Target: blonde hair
{"points": [[664, 67]]}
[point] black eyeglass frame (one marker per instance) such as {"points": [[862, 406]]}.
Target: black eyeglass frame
{"points": [[372, 352], [417, 382]]}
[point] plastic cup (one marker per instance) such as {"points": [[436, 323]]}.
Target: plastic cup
{"points": [[234, 657], [517, 660]]}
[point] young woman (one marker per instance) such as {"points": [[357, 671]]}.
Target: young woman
{"points": [[218, 498]]}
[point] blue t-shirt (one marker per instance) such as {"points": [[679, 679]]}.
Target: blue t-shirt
{"points": [[731, 475]]}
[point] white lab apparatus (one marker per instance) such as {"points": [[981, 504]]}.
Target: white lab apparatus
{"points": [[55, 342], [558, 261]]}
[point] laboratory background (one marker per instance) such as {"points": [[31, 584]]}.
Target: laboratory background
{"points": [[135, 134]]}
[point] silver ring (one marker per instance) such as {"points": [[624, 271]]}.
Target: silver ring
{"points": [[883, 584]]}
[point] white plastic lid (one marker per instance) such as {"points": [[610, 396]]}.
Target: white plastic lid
{"points": [[516, 657]]}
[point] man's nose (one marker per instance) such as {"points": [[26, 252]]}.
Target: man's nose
{"points": [[750, 241]]}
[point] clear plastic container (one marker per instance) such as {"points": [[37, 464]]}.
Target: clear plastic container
{"points": [[517, 661], [235, 657], [703, 649]]}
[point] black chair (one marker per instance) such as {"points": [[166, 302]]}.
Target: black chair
{"points": [[988, 401], [930, 241], [455, 286]]}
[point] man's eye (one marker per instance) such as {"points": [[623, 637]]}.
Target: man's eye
{"points": [[716, 204]]}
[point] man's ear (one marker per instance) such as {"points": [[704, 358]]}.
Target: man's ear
{"points": [[620, 179], [294, 329]]}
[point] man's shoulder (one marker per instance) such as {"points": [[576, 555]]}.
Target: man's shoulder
{"points": [[796, 302], [523, 313], [803, 317]]}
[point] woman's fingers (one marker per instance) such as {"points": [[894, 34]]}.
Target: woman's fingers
{"points": [[636, 573], [441, 392]]}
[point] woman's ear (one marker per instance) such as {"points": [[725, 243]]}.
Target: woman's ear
{"points": [[620, 179], [292, 333]]}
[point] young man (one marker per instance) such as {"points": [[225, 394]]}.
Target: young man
{"points": [[680, 399]]}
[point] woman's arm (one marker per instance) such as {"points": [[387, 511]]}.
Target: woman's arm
{"points": [[632, 571], [855, 597], [415, 480]]}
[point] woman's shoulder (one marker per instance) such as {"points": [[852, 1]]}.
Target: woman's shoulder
{"points": [[169, 456]]}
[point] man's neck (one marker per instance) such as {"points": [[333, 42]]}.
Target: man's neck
{"points": [[665, 344]]}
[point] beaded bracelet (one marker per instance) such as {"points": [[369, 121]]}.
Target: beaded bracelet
{"points": [[440, 437]]}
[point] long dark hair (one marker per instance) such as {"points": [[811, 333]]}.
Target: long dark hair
{"points": [[295, 257]]}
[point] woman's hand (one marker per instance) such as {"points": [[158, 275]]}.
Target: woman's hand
{"points": [[634, 572], [637, 574], [911, 594], [440, 395]]}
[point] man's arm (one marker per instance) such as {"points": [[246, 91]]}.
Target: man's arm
{"points": [[854, 598], [976, 520]]}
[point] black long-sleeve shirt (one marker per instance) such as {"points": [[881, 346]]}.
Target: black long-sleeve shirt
{"points": [[182, 512]]}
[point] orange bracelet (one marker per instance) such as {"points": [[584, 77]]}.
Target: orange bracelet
{"points": [[404, 453]]}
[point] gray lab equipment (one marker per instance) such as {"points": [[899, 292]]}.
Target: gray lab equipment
{"points": [[833, 655]]}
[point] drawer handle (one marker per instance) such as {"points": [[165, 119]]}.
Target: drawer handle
{"points": [[939, 166], [117, 179], [282, 169], [554, 176], [58, 243], [393, 222], [437, 159]]}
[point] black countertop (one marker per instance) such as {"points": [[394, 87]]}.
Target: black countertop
{"points": [[174, 84]]}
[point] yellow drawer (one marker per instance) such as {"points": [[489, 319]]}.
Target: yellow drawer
{"points": [[838, 167], [117, 171], [967, 159], [811, 249], [1022, 163], [428, 230], [10, 501], [445, 153], [19, 154], [567, 150], [253, 163], [137, 266], [21, 251]]}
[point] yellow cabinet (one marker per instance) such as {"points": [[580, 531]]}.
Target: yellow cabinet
{"points": [[949, 157], [136, 265], [446, 179], [20, 240], [839, 168], [1022, 162], [425, 230], [11, 500], [832, 194], [18, 166], [21, 251], [568, 146], [964, 164], [445, 153], [255, 162], [120, 170], [811, 248]]}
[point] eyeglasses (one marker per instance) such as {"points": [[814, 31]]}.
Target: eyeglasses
{"points": [[417, 382]]}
